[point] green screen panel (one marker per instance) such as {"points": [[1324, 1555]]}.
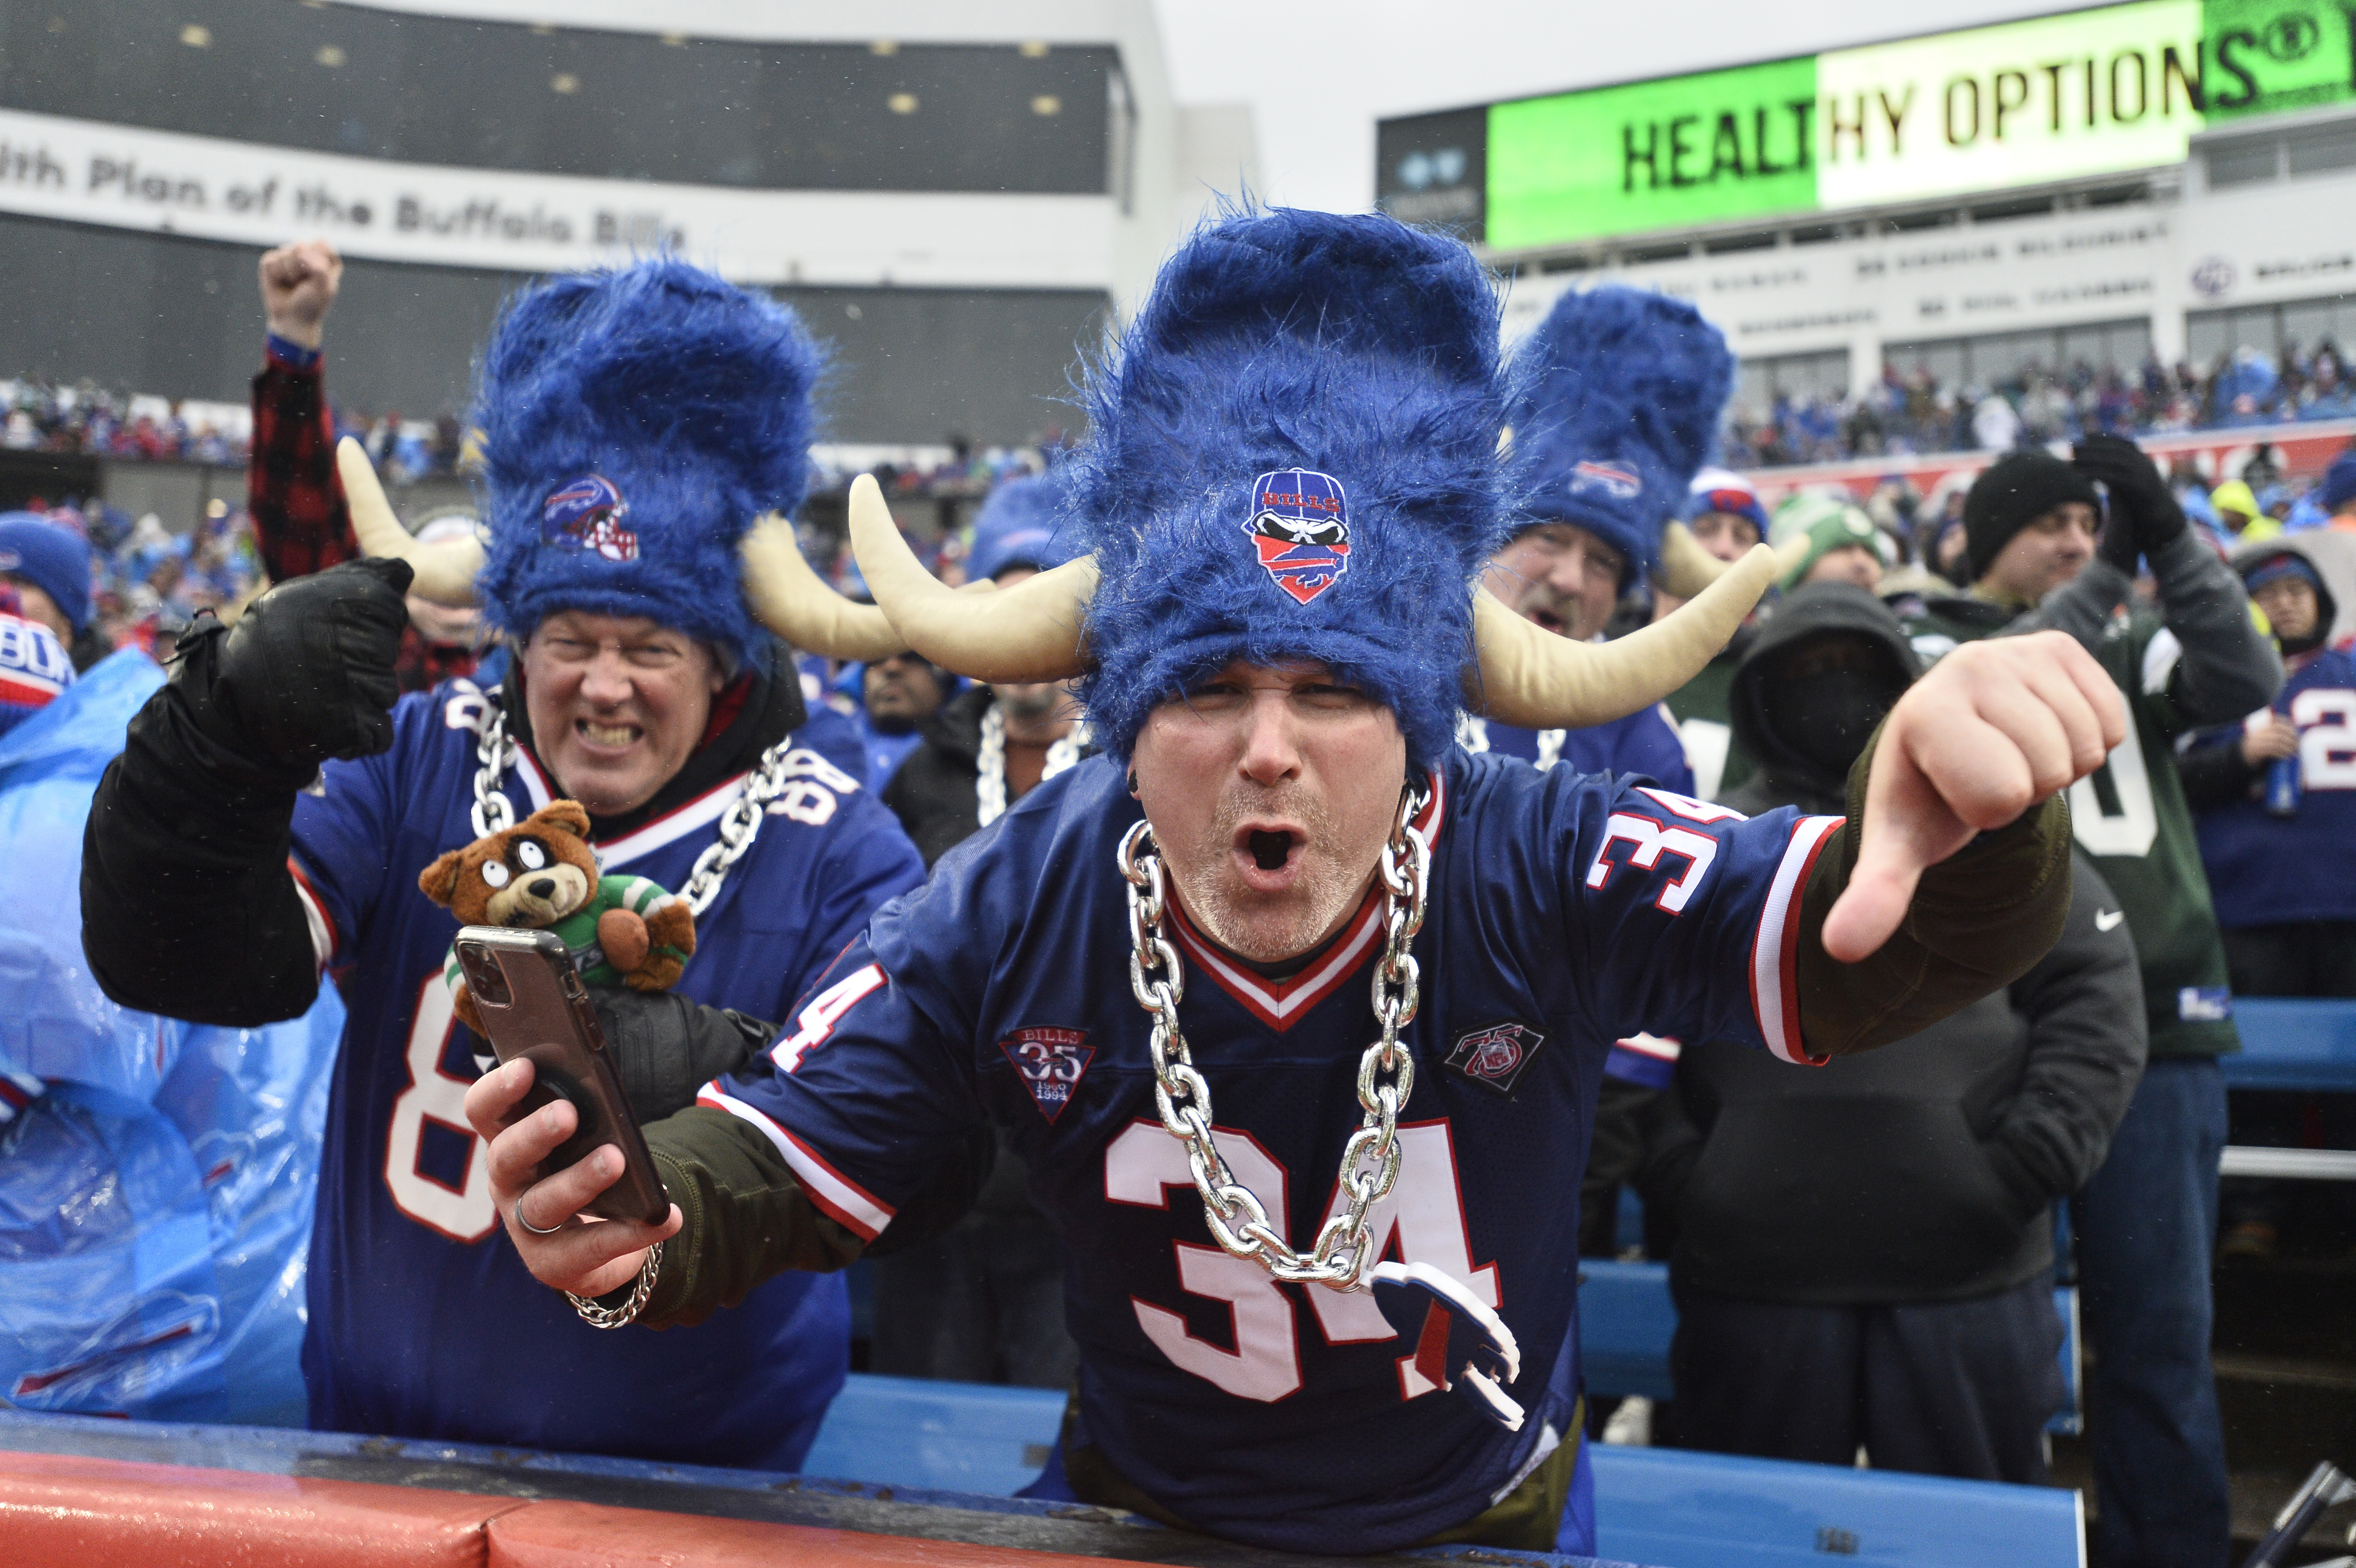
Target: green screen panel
{"points": [[1655, 155], [2268, 55]]}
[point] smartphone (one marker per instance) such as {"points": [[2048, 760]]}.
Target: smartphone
{"points": [[534, 1005]]}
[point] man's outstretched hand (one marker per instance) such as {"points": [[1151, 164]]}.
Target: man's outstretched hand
{"points": [[1994, 729], [584, 1254]]}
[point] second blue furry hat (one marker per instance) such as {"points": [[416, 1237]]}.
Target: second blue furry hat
{"points": [[1617, 395], [635, 422], [1292, 456], [1021, 524]]}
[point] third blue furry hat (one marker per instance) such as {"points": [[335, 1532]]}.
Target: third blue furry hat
{"points": [[1616, 399], [635, 422], [1293, 455], [1021, 524]]}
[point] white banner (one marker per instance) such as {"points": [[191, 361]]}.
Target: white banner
{"points": [[87, 172]]}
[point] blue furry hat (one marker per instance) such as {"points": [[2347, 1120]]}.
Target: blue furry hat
{"points": [[1021, 524], [635, 422], [1293, 455], [1616, 399]]}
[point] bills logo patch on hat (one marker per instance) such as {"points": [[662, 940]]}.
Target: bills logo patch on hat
{"points": [[587, 515], [1618, 480], [1300, 524], [1494, 1057], [1051, 1061]]}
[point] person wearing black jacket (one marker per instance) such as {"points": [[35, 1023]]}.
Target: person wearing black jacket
{"points": [[1865, 1248], [983, 1303]]}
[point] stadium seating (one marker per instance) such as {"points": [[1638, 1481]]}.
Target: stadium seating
{"points": [[2297, 1045]]}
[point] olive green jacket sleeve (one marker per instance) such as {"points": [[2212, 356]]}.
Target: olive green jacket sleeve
{"points": [[744, 1218], [1980, 919]]}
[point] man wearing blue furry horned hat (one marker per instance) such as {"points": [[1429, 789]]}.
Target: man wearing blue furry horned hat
{"points": [[645, 429], [1616, 400], [1325, 1289]]}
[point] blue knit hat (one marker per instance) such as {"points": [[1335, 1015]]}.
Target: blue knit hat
{"points": [[1020, 525], [1293, 455], [635, 422], [1616, 402], [2339, 485], [52, 558]]}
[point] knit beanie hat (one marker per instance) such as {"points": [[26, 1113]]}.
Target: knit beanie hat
{"points": [[2017, 488], [1829, 524], [54, 560]]}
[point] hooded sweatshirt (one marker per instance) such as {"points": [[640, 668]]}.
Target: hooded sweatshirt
{"points": [[2266, 869], [1921, 1172]]}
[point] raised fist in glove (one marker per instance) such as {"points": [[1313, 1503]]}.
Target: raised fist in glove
{"points": [[307, 672], [2144, 513]]}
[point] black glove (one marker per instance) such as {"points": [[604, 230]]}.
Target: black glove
{"points": [[665, 1047], [2144, 514], [307, 673]]}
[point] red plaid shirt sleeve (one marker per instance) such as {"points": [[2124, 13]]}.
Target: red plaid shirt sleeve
{"points": [[300, 523]]}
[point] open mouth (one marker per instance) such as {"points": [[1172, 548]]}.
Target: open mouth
{"points": [[598, 734], [1269, 851], [1551, 622]]}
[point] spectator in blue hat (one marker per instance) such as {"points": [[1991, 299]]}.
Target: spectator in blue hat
{"points": [[984, 1302], [2336, 495], [48, 566]]}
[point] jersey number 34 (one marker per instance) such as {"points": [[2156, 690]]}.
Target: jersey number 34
{"points": [[1423, 1214]]}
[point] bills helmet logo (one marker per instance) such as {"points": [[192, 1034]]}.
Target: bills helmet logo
{"points": [[587, 515], [1051, 1062], [1496, 1056], [1300, 524], [1618, 480]]}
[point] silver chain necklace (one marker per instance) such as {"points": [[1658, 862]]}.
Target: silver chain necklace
{"points": [[494, 813], [1238, 1219], [989, 762]]}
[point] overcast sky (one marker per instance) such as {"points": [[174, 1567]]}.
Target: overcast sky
{"points": [[1319, 73]]}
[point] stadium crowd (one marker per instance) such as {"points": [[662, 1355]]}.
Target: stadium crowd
{"points": [[1840, 1289], [1910, 409]]}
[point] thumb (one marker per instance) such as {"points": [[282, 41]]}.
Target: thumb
{"points": [[1869, 911], [1902, 813]]}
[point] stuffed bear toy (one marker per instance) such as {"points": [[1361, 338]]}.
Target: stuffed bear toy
{"points": [[542, 874]]}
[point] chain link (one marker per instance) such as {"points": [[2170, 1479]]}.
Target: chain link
{"points": [[1370, 1160], [494, 813], [622, 1316]]}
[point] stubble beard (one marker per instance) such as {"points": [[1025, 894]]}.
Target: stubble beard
{"points": [[1267, 928]]}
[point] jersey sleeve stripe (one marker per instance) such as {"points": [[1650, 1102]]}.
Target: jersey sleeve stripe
{"points": [[1775, 950], [315, 914], [841, 1197]]}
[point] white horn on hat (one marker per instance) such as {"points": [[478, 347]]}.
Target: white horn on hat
{"points": [[794, 602], [1029, 632], [444, 570], [1532, 678], [1687, 568]]}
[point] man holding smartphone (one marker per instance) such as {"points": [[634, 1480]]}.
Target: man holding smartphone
{"points": [[636, 424], [1153, 971]]}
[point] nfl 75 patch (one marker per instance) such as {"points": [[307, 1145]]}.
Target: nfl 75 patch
{"points": [[1051, 1062], [1494, 1056], [1300, 524]]}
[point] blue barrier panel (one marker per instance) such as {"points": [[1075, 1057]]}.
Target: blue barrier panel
{"points": [[1625, 1320], [1706, 1510], [2290, 1043], [950, 1437], [899, 1508]]}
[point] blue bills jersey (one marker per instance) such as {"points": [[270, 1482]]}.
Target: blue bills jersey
{"points": [[1565, 913], [423, 1323], [1643, 745], [2266, 869]]}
